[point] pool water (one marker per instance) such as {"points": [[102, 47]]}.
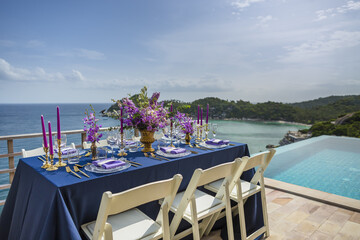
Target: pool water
{"points": [[327, 163]]}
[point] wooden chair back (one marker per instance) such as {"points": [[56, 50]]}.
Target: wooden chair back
{"points": [[119, 202], [261, 161], [201, 177], [37, 151]]}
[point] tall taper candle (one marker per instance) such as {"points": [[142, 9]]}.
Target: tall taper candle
{"points": [[58, 123], [171, 109], [207, 114], [50, 140], [43, 131], [201, 116], [198, 114], [121, 122]]}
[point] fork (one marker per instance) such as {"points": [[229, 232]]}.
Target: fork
{"points": [[157, 156], [76, 169], [68, 169]]}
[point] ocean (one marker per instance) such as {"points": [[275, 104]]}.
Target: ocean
{"points": [[25, 118]]}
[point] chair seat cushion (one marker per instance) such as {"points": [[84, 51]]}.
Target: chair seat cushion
{"points": [[204, 202], [246, 187], [132, 224]]}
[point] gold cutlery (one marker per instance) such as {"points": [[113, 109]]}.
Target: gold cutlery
{"points": [[76, 169], [193, 152], [203, 147], [135, 163], [78, 165], [41, 159], [157, 156], [131, 163], [87, 154], [230, 144], [68, 169], [147, 155]]}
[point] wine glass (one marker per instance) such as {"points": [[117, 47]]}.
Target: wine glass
{"points": [[111, 140], [63, 142], [214, 129]]}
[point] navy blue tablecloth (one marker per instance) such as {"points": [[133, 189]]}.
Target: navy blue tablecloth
{"points": [[54, 205]]}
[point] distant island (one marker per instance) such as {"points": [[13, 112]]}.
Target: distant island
{"points": [[322, 113]]}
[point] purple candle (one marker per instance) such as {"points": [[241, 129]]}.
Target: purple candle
{"points": [[58, 123], [43, 131], [198, 114], [207, 114], [201, 116], [50, 140], [171, 109], [121, 122]]}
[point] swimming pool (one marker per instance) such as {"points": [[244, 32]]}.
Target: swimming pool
{"points": [[326, 163]]}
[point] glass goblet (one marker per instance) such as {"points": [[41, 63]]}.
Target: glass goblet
{"points": [[214, 129], [111, 140]]}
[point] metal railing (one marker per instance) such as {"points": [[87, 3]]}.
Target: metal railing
{"points": [[11, 154]]}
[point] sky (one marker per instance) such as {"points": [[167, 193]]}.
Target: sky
{"points": [[89, 51]]}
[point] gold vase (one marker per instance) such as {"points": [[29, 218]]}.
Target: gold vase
{"points": [[93, 151], [147, 138], [187, 138]]}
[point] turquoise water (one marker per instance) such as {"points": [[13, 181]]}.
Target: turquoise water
{"points": [[327, 163], [25, 118]]}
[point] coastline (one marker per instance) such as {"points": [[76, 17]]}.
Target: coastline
{"points": [[265, 121]]}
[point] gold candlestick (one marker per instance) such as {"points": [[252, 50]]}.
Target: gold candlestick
{"points": [[122, 152], [198, 133], [52, 167], [201, 130], [60, 163], [206, 132], [46, 163]]}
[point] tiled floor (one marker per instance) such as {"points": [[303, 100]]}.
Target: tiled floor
{"points": [[293, 217]]}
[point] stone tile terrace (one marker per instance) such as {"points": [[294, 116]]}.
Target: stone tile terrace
{"points": [[294, 217]]}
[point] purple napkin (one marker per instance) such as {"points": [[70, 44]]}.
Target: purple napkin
{"points": [[66, 151], [168, 136], [217, 142], [172, 150], [108, 163], [130, 142]]}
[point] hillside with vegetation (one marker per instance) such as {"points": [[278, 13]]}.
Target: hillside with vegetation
{"points": [[308, 112], [348, 125]]}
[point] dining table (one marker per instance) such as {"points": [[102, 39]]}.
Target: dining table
{"points": [[54, 204]]}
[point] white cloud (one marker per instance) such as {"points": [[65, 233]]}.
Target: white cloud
{"points": [[331, 12], [337, 40], [10, 73], [83, 53], [264, 20], [241, 4]]}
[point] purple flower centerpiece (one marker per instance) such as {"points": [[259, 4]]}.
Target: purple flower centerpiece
{"points": [[149, 116], [91, 127], [186, 124]]}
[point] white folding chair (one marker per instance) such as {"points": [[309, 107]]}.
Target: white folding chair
{"points": [[101, 143], [244, 190], [118, 217], [194, 205], [37, 151]]}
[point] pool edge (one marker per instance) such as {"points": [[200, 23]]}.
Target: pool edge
{"points": [[320, 196]]}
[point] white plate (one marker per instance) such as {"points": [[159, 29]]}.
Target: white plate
{"points": [[171, 155], [213, 146], [95, 169]]}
